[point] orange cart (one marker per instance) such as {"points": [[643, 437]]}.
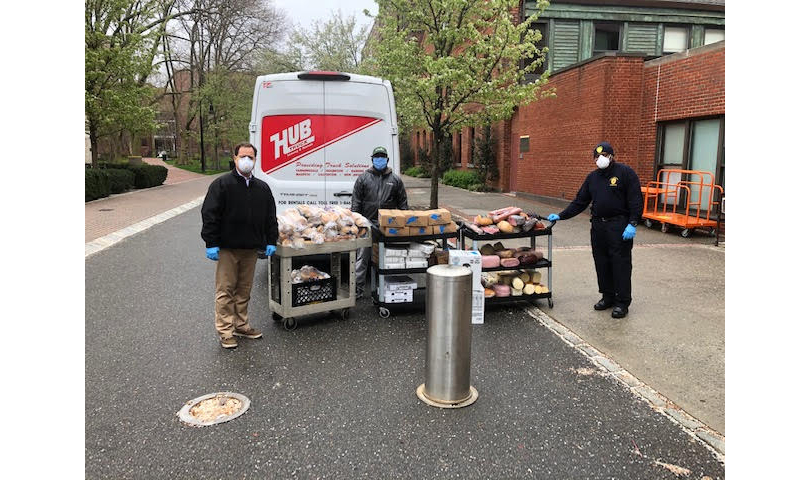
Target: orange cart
{"points": [[684, 198]]}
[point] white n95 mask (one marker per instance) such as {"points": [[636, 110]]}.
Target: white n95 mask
{"points": [[602, 162], [245, 164]]}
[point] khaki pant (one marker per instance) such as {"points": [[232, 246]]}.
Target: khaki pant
{"points": [[234, 279]]}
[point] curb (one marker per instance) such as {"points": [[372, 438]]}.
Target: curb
{"points": [[107, 241], [712, 440]]}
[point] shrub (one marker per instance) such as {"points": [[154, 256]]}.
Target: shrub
{"points": [[486, 158], [121, 179], [96, 184], [417, 171], [461, 178], [405, 152], [148, 175]]}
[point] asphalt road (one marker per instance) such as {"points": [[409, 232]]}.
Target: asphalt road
{"points": [[336, 399]]}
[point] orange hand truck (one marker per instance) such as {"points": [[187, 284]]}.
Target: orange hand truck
{"points": [[663, 201]]}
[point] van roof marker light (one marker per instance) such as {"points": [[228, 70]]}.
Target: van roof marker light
{"points": [[323, 75]]}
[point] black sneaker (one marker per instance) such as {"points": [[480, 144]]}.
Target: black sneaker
{"points": [[619, 312]]}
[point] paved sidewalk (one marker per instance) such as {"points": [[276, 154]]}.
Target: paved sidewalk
{"points": [[116, 212]]}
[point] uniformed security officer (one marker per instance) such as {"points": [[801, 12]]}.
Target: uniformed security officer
{"points": [[614, 192], [376, 188]]}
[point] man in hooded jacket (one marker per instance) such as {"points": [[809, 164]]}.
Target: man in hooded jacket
{"points": [[376, 188]]}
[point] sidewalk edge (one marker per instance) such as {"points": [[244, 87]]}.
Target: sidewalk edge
{"points": [[111, 239], [702, 433]]}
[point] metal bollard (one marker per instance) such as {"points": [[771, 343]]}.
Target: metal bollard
{"points": [[449, 311]]}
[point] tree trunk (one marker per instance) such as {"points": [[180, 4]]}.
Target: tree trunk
{"points": [[434, 172], [93, 145]]}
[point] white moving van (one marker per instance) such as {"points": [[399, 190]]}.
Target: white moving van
{"points": [[315, 132]]}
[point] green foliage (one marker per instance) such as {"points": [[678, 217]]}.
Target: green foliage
{"points": [[121, 38], [334, 45], [230, 96], [456, 63], [461, 178], [148, 175], [417, 171], [96, 184], [484, 156], [445, 155], [121, 179]]}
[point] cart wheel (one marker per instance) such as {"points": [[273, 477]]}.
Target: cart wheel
{"points": [[664, 228], [344, 314], [550, 303], [686, 232], [276, 317], [384, 312], [648, 223], [290, 323]]}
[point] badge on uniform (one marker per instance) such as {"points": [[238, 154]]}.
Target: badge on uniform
{"points": [[614, 181]]}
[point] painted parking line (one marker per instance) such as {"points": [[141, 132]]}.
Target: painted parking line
{"points": [[107, 241]]}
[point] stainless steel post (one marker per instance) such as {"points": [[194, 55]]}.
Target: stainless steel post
{"points": [[447, 365]]}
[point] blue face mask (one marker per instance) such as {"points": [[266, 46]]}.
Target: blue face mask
{"points": [[379, 163]]}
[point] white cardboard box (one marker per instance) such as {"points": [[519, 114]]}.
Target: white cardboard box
{"points": [[404, 296], [416, 263], [395, 283], [472, 259]]}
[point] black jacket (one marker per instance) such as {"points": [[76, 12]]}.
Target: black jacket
{"points": [[614, 191], [374, 190], [235, 215]]}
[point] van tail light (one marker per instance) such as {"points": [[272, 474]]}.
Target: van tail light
{"points": [[321, 75]]}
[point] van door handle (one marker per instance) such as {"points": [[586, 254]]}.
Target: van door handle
{"points": [[343, 194]]}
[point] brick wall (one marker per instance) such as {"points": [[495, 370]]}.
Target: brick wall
{"points": [[618, 99]]}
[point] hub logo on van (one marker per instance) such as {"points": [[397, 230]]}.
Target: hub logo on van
{"points": [[293, 139], [289, 138]]}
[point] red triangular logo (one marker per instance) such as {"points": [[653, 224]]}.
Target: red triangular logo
{"points": [[287, 138]]}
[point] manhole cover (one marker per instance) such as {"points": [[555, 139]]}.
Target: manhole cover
{"points": [[105, 209], [213, 408]]}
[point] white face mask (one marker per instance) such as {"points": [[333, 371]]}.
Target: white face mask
{"points": [[245, 164], [602, 162]]}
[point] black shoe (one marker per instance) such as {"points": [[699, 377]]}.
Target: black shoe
{"points": [[603, 305], [618, 312]]}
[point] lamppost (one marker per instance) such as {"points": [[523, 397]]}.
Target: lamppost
{"points": [[202, 142]]}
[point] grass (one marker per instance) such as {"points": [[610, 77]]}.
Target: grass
{"points": [[193, 165]]}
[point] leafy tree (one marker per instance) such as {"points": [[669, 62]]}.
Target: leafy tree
{"points": [[456, 63], [333, 45], [121, 38]]}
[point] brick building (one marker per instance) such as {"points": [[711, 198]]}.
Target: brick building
{"points": [[647, 76]]}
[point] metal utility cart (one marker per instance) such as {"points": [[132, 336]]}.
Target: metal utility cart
{"points": [[334, 295], [545, 262], [684, 198], [378, 275]]}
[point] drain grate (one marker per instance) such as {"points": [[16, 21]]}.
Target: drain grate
{"points": [[213, 408]]}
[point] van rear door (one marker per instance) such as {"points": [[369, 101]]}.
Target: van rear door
{"points": [[357, 120], [290, 144]]}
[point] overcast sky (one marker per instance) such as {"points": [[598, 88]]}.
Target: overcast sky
{"points": [[303, 12]]}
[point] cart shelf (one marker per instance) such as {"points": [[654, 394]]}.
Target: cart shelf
{"points": [[378, 275], [280, 284], [517, 298], [532, 235], [543, 263]]}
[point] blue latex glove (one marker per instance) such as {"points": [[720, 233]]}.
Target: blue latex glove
{"points": [[629, 232], [553, 217], [271, 249], [212, 253]]}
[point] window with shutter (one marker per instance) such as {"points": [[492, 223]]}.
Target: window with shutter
{"points": [[565, 44], [642, 37]]}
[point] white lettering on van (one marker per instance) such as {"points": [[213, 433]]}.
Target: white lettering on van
{"points": [[293, 138]]}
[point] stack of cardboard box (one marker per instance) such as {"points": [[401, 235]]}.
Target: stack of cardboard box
{"points": [[399, 289], [409, 223]]}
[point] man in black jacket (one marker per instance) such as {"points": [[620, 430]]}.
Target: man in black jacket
{"points": [[239, 218], [376, 188], [614, 191]]}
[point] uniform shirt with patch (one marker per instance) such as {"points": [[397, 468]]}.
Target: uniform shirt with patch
{"points": [[612, 191]]}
